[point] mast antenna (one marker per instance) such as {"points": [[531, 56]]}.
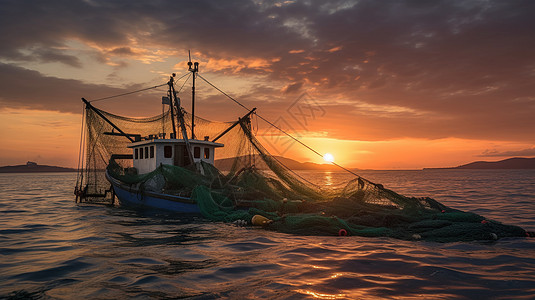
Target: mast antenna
{"points": [[193, 70]]}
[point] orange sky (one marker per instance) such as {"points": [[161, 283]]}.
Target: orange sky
{"points": [[380, 86]]}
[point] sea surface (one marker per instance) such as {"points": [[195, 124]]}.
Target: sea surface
{"points": [[52, 248]]}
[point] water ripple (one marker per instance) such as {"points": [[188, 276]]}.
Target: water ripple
{"points": [[51, 248]]}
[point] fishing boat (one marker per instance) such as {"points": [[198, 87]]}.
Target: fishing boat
{"points": [[155, 150], [148, 154], [160, 163]]}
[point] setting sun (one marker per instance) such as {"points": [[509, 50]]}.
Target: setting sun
{"points": [[328, 157]]}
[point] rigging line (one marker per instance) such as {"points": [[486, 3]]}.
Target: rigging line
{"points": [[128, 93], [84, 149], [81, 142], [183, 83], [254, 143], [136, 91], [275, 126], [236, 101]]}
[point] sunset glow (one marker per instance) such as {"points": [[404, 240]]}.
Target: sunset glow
{"points": [[401, 87], [328, 157]]}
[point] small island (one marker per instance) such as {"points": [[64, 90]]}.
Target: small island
{"points": [[506, 164], [32, 167]]}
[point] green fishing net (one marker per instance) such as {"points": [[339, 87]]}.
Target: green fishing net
{"points": [[249, 182]]}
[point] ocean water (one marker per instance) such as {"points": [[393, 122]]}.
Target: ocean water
{"points": [[52, 248]]}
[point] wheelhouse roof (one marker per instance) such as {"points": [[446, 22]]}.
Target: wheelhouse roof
{"points": [[174, 142]]}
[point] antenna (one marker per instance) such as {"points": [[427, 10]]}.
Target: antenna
{"points": [[189, 62], [193, 70]]}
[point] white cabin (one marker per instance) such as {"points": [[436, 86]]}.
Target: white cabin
{"points": [[149, 154]]}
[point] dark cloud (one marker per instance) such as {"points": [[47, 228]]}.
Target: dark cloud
{"points": [[437, 68], [52, 55], [122, 51], [23, 88], [292, 87]]}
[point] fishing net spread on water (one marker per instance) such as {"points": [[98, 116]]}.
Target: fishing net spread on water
{"points": [[248, 185]]}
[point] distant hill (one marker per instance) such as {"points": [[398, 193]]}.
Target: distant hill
{"points": [[31, 167], [510, 163], [226, 164]]}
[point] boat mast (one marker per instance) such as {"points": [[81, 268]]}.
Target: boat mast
{"points": [[170, 93], [180, 119], [193, 70]]}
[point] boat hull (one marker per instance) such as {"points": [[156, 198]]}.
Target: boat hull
{"points": [[130, 196]]}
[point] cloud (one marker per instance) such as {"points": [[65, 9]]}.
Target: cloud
{"points": [[292, 87], [122, 51], [233, 66], [433, 69], [23, 88], [496, 153]]}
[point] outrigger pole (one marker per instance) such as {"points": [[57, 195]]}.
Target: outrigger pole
{"points": [[234, 125], [88, 105]]}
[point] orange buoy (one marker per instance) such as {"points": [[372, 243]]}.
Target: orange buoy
{"points": [[259, 220], [342, 232]]}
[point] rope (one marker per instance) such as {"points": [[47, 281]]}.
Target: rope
{"points": [[275, 126], [136, 91], [236, 101], [79, 173], [129, 93], [183, 83]]}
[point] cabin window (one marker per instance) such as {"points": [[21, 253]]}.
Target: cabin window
{"points": [[197, 152], [136, 153], [167, 151], [140, 153], [206, 153], [146, 152], [151, 151]]}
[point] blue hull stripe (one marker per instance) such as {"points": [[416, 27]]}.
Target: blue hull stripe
{"points": [[130, 197]]}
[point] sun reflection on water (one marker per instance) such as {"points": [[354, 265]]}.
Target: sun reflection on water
{"points": [[335, 275], [328, 178], [321, 295]]}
